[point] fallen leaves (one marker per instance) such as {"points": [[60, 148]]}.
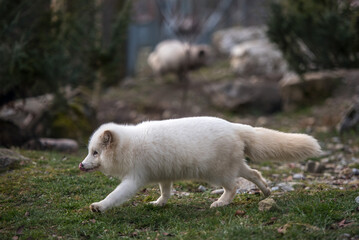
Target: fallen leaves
{"points": [[239, 213], [345, 223], [271, 222], [20, 230]]}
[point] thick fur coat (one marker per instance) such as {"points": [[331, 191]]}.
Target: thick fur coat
{"points": [[198, 148], [173, 56]]}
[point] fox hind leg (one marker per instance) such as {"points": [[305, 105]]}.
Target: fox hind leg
{"points": [[165, 188], [255, 177]]}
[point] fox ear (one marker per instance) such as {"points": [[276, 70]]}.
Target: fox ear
{"points": [[107, 138]]}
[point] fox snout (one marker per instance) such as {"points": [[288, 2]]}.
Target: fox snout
{"points": [[82, 167], [88, 167]]}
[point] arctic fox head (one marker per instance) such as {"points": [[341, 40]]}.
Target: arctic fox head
{"points": [[100, 144]]}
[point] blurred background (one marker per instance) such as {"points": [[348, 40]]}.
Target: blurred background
{"points": [[68, 66]]}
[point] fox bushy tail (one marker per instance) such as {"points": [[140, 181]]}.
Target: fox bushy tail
{"points": [[265, 144]]}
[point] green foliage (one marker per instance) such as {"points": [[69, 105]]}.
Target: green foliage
{"points": [[42, 50], [313, 35]]}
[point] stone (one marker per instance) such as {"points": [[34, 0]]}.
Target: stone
{"points": [[266, 204], [244, 184], [258, 58], [312, 88], [244, 96], [346, 172], [10, 159], [224, 40], [35, 117], [202, 188], [60, 144], [350, 120], [314, 167], [285, 187], [357, 199], [298, 176], [19, 119]]}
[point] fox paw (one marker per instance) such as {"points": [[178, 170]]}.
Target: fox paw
{"points": [[97, 207], [218, 204], [158, 203], [267, 192]]}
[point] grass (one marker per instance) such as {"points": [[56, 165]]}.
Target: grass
{"points": [[49, 199]]}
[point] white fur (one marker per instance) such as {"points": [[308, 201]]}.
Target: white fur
{"points": [[173, 56], [198, 148]]}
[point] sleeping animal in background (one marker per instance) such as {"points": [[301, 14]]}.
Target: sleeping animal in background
{"points": [[173, 56]]}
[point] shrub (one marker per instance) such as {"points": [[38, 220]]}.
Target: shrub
{"points": [[314, 35], [42, 50]]}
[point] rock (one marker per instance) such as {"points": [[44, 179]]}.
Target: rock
{"points": [[355, 171], [60, 144], [202, 188], [314, 167], [313, 88], [357, 199], [244, 184], [298, 176], [244, 96], [258, 58], [350, 120], [346, 172], [41, 116], [10, 159], [224, 40], [266, 204], [285, 187], [19, 119]]}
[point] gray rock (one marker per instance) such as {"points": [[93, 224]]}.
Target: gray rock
{"points": [[19, 119], [258, 58], [350, 120], [202, 188], [285, 187], [357, 199], [298, 176], [224, 40], [10, 159], [60, 144], [244, 96], [313, 88], [22, 120]]}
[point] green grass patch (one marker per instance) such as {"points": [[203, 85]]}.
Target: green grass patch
{"points": [[49, 199]]}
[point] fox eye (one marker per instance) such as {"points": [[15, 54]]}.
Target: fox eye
{"points": [[95, 153]]}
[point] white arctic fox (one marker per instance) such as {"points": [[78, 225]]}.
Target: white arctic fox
{"points": [[200, 148], [173, 56]]}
